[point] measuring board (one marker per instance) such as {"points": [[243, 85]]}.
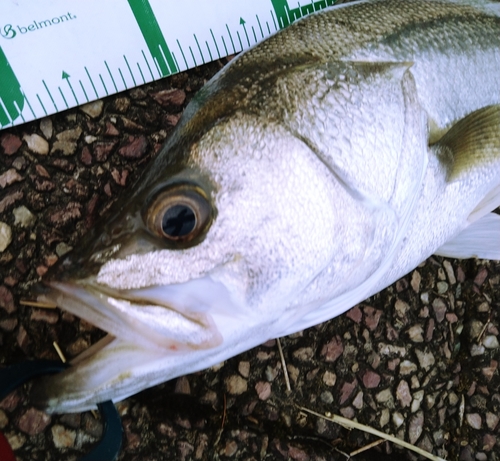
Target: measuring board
{"points": [[56, 54]]}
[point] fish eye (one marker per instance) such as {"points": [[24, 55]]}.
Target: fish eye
{"points": [[180, 214]]}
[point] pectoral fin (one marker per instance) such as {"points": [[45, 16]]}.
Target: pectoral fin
{"points": [[472, 143], [479, 240]]}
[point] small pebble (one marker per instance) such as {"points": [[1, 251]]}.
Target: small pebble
{"points": [[473, 420], [46, 127], [93, 109], [23, 217], [236, 385], [63, 248], [490, 342], [492, 420], [182, 386], [418, 397], [425, 359], [10, 143], [9, 177], [401, 308], [329, 378], [403, 394], [304, 354], [407, 367], [332, 350], [16, 441], [371, 379], [358, 401], [483, 307], [5, 236], [263, 389], [7, 300], [346, 391], [439, 307], [442, 287], [326, 397], [415, 281], [416, 427], [135, 148], [398, 418], [415, 333], [62, 437], [476, 350], [453, 398], [36, 144], [33, 421], [384, 396], [244, 369], [449, 272]]}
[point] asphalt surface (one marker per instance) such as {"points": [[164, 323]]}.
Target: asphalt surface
{"points": [[418, 360]]}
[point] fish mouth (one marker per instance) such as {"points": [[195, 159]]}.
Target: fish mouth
{"points": [[152, 332]]}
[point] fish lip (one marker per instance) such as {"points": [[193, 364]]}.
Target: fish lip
{"points": [[130, 314]]}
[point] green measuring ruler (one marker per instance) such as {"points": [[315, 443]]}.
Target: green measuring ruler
{"points": [[56, 54]]}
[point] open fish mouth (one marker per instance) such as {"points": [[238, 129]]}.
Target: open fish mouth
{"points": [[149, 330]]}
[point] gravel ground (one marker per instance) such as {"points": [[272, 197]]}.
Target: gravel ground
{"points": [[419, 360]]}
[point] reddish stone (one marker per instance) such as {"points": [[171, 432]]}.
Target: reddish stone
{"points": [[43, 185], [120, 177], [10, 402], [10, 199], [371, 379], [111, 130], [372, 317], [136, 147], [33, 421], [86, 156], [355, 314], [489, 441], [103, 149], [333, 349], [41, 171], [22, 338], [9, 177], [66, 215], [346, 391], [170, 98], [171, 119], [6, 300], [297, 454], [10, 143], [481, 276]]}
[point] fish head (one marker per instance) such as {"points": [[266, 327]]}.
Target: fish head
{"points": [[237, 229]]}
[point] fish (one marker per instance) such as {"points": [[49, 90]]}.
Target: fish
{"points": [[311, 172]]}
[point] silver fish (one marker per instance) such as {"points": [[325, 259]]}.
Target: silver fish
{"points": [[313, 171]]}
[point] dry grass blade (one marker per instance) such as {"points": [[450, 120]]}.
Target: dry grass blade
{"points": [[40, 304], [283, 364], [59, 352], [354, 425]]}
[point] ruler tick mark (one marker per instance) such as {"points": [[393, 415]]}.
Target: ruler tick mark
{"points": [[50, 95]]}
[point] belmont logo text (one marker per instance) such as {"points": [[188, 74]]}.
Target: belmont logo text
{"points": [[10, 31]]}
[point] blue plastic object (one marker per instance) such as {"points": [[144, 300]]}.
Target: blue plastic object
{"points": [[108, 447]]}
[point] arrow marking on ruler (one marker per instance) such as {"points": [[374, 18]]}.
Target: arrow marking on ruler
{"points": [[66, 77], [243, 22]]}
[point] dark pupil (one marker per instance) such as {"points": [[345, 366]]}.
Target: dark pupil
{"points": [[178, 221]]}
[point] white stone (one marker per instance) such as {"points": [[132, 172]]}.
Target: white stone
{"points": [[23, 217], [36, 144], [5, 236]]}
